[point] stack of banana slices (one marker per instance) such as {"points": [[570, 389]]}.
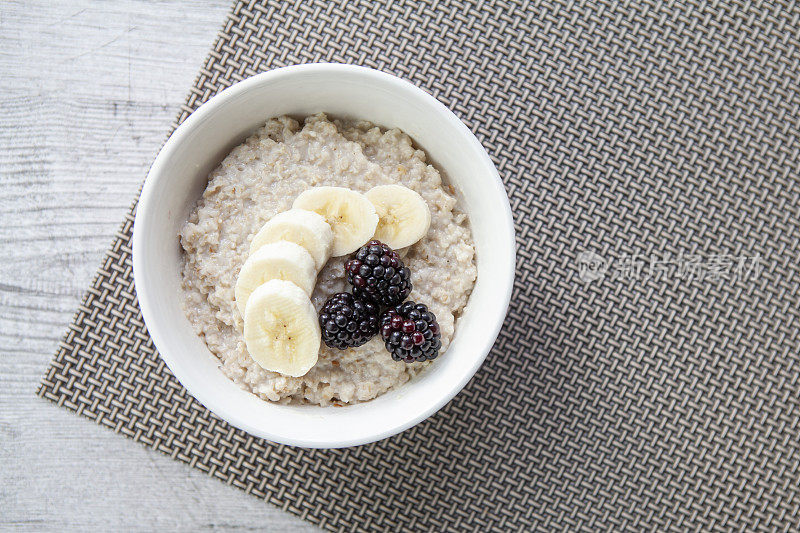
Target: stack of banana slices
{"points": [[273, 290]]}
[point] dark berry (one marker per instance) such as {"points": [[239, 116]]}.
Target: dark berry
{"points": [[378, 274], [347, 322], [407, 339]]}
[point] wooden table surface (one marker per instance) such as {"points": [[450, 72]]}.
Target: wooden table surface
{"points": [[87, 93]]}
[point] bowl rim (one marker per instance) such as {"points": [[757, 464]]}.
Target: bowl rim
{"points": [[505, 230]]}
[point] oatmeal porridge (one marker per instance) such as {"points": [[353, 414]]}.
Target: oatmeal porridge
{"points": [[260, 179]]}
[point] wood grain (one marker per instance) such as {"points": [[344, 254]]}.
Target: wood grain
{"points": [[87, 93]]}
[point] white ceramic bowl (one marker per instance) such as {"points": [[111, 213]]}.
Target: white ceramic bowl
{"points": [[178, 177]]}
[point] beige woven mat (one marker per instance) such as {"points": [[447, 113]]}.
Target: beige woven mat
{"points": [[647, 373]]}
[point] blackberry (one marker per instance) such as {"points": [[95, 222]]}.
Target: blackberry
{"points": [[378, 274], [411, 333], [347, 322]]}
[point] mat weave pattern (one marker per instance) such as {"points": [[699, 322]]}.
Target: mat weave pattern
{"points": [[631, 129]]}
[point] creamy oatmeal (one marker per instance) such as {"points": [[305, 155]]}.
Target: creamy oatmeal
{"points": [[261, 178]]}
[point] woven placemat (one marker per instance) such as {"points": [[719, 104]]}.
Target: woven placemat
{"points": [[647, 373]]}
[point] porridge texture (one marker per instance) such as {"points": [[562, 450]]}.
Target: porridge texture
{"points": [[261, 178]]}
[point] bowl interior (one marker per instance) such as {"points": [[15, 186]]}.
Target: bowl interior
{"points": [[179, 176]]}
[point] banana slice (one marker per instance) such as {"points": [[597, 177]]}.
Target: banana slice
{"points": [[306, 228], [278, 260], [281, 331], [404, 215], [351, 216]]}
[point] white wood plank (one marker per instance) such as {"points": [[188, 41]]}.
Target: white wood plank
{"points": [[87, 93]]}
